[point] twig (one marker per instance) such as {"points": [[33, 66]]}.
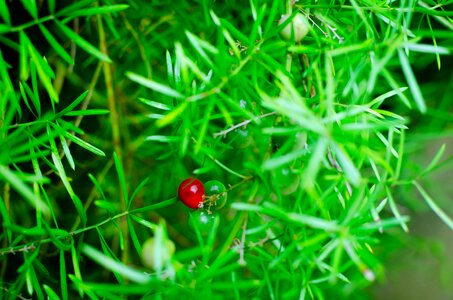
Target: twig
{"points": [[32, 245], [226, 131], [332, 29], [116, 122]]}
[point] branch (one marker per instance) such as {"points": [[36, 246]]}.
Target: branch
{"points": [[226, 131]]}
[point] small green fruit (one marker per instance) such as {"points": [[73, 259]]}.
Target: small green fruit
{"points": [[241, 138], [152, 252], [203, 221], [297, 27], [288, 181], [216, 193]]}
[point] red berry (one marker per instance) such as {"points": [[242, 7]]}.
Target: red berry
{"points": [[191, 193]]}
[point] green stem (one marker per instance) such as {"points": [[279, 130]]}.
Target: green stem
{"points": [[289, 7], [32, 23], [33, 245]]}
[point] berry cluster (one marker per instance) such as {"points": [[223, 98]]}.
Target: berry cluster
{"points": [[194, 194]]}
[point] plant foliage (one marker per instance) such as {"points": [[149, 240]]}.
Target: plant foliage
{"points": [[106, 107]]}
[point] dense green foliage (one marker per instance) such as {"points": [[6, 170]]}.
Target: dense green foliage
{"points": [[106, 107]]}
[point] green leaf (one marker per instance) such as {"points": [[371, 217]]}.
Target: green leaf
{"points": [[188, 63], [71, 106], [84, 288], [296, 110], [45, 73], [346, 164], [114, 265], [170, 75], [121, 178], [171, 116], [23, 57], [24, 90], [155, 206], [23, 189], [106, 205], [77, 203], [155, 104], [4, 12], [51, 7], [435, 160], [163, 138], [67, 152], [313, 222], [314, 164], [76, 265], [84, 144], [51, 295], [134, 237], [33, 92], [137, 190], [86, 12], [111, 24], [56, 45], [35, 283], [275, 211], [278, 161], [435, 208], [425, 48], [109, 253], [395, 210], [63, 280], [83, 43], [155, 86], [6, 220], [28, 262], [4, 28], [200, 46], [97, 185], [144, 222], [74, 7], [378, 100], [30, 6], [412, 81], [8, 94], [87, 112]]}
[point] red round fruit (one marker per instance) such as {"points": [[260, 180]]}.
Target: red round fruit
{"points": [[191, 193]]}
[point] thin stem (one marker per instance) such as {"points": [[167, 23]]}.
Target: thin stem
{"points": [[114, 121], [31, 23], [6, 198], [33, 245], [289, 6], [78, 231], [226, 168], [226, 131]]}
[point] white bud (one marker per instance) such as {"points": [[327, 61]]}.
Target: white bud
{"points": [[297, 27]]}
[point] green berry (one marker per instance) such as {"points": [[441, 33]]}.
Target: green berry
{"points": [[288, 181], [241, 138], [203, 221], [216, 193]]}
